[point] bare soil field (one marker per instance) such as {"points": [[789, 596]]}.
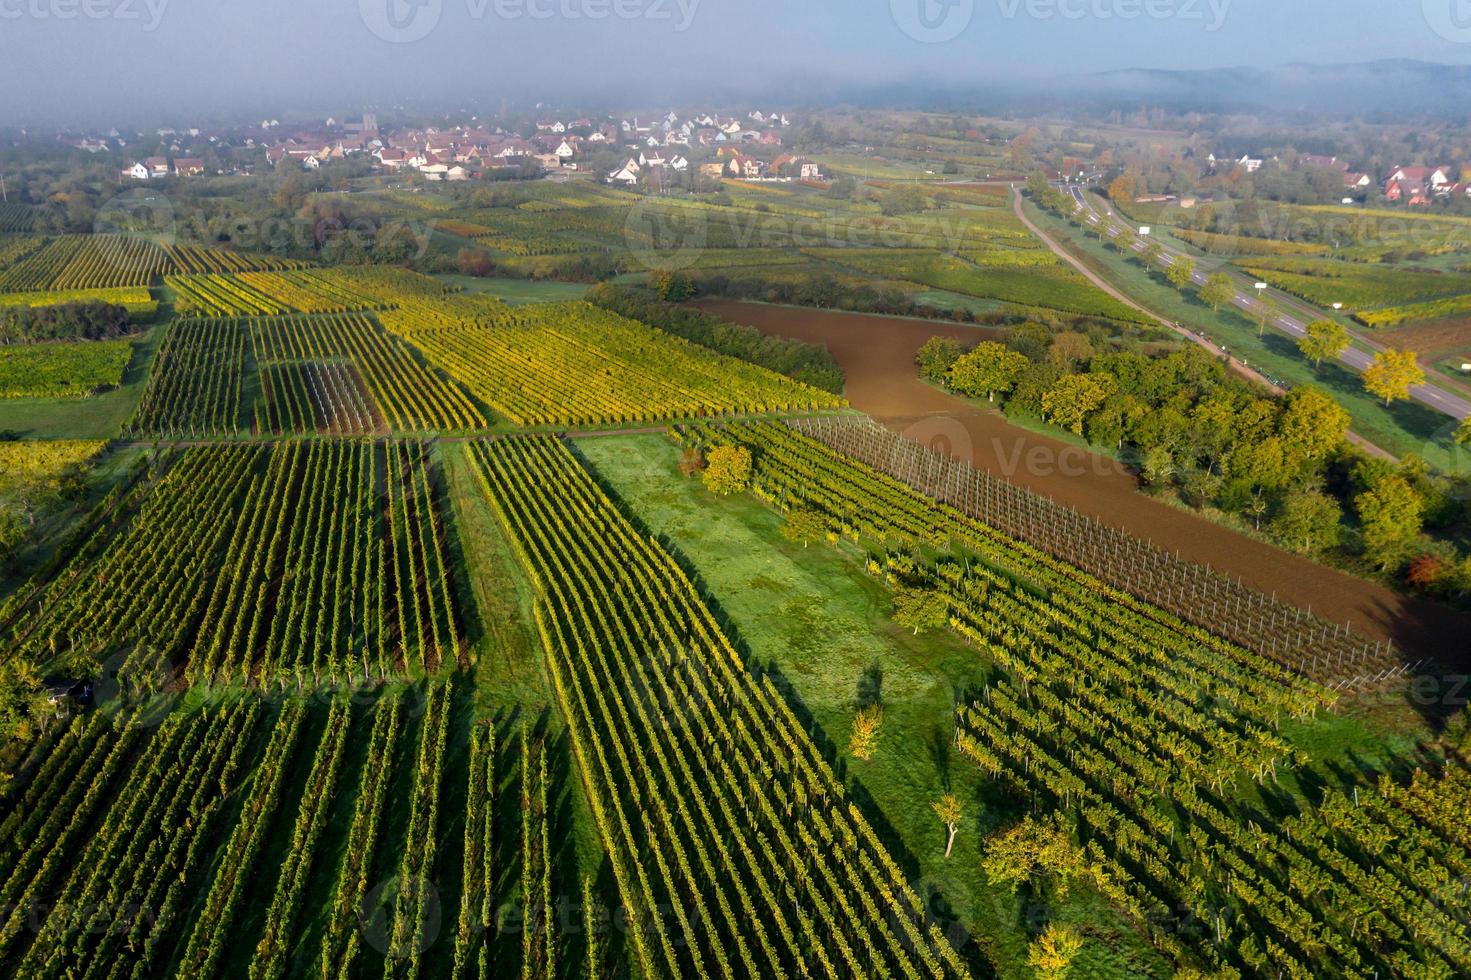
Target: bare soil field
{"points": [[1434, 338], [877, 355]]}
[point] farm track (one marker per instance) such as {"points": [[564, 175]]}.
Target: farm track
{"points": [[877, 356]]}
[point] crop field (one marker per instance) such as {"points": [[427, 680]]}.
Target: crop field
{"points": [[1025, 278], [135, 299], [365, 788], [1215, 244], [17, 218], [13, 248], [250, 563], [409, 395], [349, 371], [704, 786], [62, 370], [574, 364], [1355, 285], [31, 463], [196, 386], [74, 262], [303, 397], [271, 293]]}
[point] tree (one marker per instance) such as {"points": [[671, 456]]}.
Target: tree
{"points": [[1070, 349], [1152, 254], [1324, 340], [1036, 849], [949, 810], [803, 526], [1181, 272], [1312, 425], [936, 358], [474, 262], [864, 739], [1392, 514], [1392, 375], [1462, 435], [1074, 397], [1122, 189], [1217, 291], [691, 462], [989, 370], [1309, 522], [1264, 312], [670, 286], [902, 200], [920, 609], [728, 470], [15, 530], [20, 690], [1158, 465], [1052, 953]]}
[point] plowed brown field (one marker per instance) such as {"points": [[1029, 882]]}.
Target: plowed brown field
{"points": [[877, 355]]}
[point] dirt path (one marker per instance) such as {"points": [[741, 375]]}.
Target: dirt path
{"points": [[877, 354]]}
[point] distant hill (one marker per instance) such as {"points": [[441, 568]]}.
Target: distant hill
{"points": [[1400, 85]]}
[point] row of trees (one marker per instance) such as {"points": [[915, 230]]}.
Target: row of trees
{"points": [[1282, 464], [90, 320]]}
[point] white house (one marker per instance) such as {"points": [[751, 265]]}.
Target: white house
{"points": [[624, 175], [136, 172]]}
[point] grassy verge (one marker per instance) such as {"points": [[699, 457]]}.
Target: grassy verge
{"points": [[510, 678]]}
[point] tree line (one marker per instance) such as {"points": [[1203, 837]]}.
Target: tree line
{"points": [[89, 320], [1282, 465]]}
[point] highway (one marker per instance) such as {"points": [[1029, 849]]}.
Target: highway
{"points": [[1427, 394]]}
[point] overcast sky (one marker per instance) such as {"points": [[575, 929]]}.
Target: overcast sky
{"points": [[91, 59]]}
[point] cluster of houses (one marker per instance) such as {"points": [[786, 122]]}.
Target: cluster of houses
{"points": [[156, 168], [1413, 186], [1419, 186], [657, 148], [665, 146], [1353, 182]]}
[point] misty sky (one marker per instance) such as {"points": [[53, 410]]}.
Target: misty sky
{"points": [[136, 58]]}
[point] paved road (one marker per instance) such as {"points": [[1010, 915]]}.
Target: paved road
{"points": [[1427, 394], [1237, 365]]}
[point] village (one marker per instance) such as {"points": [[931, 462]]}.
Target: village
{"points": [[648, 152]]}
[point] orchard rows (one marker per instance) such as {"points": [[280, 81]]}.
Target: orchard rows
{"points": [[1284, 633], [139, 851], [574, 364], [300, 563], [733, 843], [332, 373], [107, 261], [1150, 741]]}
